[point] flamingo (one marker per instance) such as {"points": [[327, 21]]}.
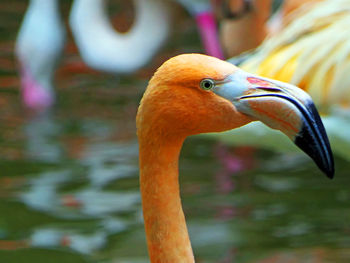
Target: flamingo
{"points": [[39, 46], [191, 94], [105, 49]]}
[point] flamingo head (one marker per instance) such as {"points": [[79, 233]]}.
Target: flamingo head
{"points": [[192, 93]]}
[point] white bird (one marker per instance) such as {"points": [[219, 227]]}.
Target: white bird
{"points": [[38, 48], [104, 48]]}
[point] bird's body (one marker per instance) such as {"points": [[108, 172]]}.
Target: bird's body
{"points": [[39, 46], [311, 51], [192, 94], [103, 48]]}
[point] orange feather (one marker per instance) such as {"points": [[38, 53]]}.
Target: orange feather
{"points": [[172, 108]]}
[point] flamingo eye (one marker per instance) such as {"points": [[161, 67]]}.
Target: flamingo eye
{"points": [[207, 84]]}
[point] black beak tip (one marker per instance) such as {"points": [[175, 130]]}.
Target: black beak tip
{"points": [[313, 140], [317, 148], [329, 172]]}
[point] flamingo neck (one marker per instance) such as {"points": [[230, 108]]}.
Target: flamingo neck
{"points": [[165, 225]]}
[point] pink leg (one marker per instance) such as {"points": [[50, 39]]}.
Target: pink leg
{"points": [[34, 95], [209, 34]]}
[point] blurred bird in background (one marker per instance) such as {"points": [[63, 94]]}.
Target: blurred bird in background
{"points": [[311, 50], [41, 41], [249, 22], [39, 47], [105, 49], [242, 24]]}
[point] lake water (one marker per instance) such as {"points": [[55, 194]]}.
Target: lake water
{"points": [[69, 178]]}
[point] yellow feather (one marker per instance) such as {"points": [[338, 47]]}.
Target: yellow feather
{"points": [[311, 51]]}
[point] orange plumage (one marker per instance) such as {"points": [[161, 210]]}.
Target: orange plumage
{"points": [[174, 106]]}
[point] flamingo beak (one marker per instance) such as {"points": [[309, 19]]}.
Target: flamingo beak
{"points": [[283, 107]]}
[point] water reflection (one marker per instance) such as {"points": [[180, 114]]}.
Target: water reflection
{"points": [[41, 132], [108, 162], [102, 163]]}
